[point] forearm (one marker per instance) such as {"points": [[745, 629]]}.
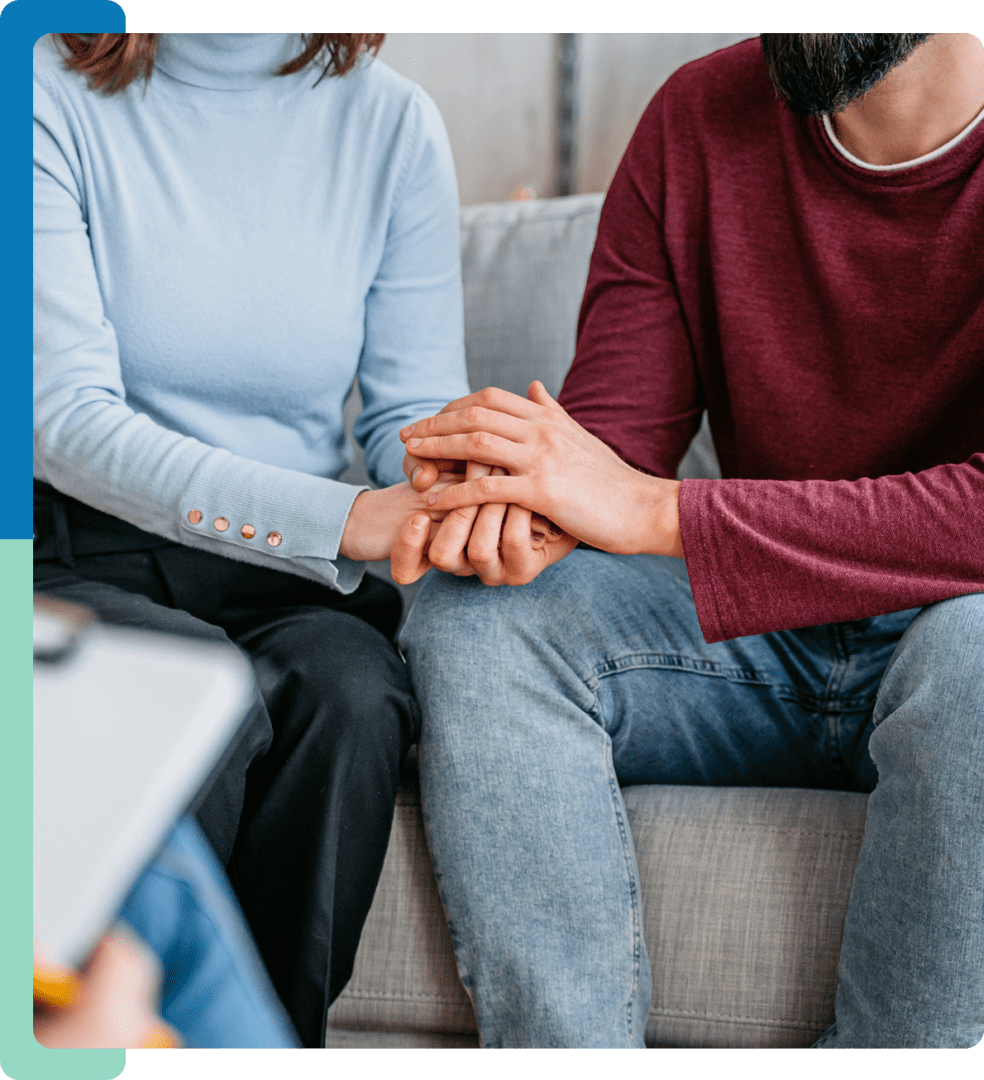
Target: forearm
{"points": [[107, 456], [769, 555]]}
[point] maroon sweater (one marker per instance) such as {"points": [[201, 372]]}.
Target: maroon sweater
{"points": [[831, 321]]}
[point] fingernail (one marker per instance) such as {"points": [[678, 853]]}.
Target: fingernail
{"points": [[405, 432], [418, 524], [416, 473], [413, 443], [431, 499]]}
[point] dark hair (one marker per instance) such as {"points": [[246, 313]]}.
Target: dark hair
{"points": [[112, 61], [824, 73]]}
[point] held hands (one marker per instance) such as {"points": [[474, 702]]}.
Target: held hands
{"points": [[504, 545], [537, 459]]}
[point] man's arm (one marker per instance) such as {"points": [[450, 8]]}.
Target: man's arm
{"points": [[555, 468]]}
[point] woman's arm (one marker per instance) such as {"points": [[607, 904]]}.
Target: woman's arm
{"points": [[413, 359], [89, 442]]}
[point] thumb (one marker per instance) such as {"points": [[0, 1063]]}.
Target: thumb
{"points": [[537, 393], [408, 560]]}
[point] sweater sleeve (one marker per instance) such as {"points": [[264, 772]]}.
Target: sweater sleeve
{"points": [[89, 443], [413, 359], [633, 381], [769, 555], [762, 554]]}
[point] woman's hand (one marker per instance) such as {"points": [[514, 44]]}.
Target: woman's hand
{"points": [[377, 518], [555, 468], [423, 474], [503, 545]]}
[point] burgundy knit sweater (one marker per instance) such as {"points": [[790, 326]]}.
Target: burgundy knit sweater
{"points": [[831, 321]]}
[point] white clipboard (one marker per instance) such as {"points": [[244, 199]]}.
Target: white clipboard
{"points": [[128, 724]]}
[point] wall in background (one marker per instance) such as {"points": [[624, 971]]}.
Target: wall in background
{"points": [[498, 94]]}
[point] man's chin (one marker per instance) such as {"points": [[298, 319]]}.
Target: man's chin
{"points": [[816, 74]]}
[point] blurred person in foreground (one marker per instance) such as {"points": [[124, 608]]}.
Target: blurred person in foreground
{"points": [[792, 242], [179, 968]]}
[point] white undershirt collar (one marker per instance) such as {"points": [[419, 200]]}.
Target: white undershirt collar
{"points": [[938, 152]]}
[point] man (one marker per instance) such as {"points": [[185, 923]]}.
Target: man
{"points": [[809, 270]]}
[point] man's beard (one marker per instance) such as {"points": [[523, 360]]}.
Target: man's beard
{"points": [[823, 73]]}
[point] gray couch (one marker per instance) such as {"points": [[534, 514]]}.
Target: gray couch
{"points": [[744, 889]]}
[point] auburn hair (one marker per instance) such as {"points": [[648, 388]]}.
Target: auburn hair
{"points": [[112, 61]]}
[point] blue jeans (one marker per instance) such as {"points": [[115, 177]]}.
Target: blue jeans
{"points": [[215, 991], [539, 701]]}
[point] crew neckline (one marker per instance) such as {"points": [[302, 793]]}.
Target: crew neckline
{"points": [[899, 166], [225, 61]]}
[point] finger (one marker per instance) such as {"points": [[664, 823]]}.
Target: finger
{"points": [[475, 419], [483, 544], [490, 398], [479, 446], [537, 393], [518, 556], [408, 558], [544, 526], [421, 474], [447, 549], [493, 400], [486, 489]]}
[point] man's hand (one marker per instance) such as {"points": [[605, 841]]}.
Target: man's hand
{"points": [[555, 468]]}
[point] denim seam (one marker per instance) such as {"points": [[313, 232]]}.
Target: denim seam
{"points": [[625, 835], [670, 661], [731, 1019], [747, 676]]}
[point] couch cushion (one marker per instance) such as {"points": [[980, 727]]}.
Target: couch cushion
{"points": [[744, 895], [524, 265]]}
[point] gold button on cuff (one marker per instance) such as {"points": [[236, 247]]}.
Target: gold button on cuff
{"points": [[221, 524], [248, 532], [273, 539], [194, 516]]}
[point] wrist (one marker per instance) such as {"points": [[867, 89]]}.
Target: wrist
{"points": [[659, 518], [352, 544]]}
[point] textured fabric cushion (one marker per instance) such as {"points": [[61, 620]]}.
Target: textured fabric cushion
{"points": [[744, 894], [524, 265]]}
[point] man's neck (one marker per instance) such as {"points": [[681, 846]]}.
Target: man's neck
{"points": [[919, 106]]}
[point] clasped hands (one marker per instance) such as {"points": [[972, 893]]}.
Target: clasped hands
{"points": [[534, 484]]}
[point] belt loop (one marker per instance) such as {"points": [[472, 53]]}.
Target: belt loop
{"points": [[63, 537]]}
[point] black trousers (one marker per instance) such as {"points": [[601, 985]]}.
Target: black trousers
{"points": [[300, 809]]}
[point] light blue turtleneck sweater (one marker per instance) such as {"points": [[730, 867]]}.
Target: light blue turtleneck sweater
{"points": [[218, 254]]}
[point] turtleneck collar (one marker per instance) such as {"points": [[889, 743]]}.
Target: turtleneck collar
{"points": [[226, 61]]}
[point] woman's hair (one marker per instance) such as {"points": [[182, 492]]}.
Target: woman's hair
{"points": [[112, 61]]}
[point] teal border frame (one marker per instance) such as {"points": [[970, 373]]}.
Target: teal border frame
{"points": [[22, 22]]}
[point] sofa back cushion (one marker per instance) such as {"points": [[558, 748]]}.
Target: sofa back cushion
{"points": [[523, 267]]}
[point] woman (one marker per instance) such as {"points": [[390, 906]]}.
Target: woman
{"points": [[230, 228]]}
